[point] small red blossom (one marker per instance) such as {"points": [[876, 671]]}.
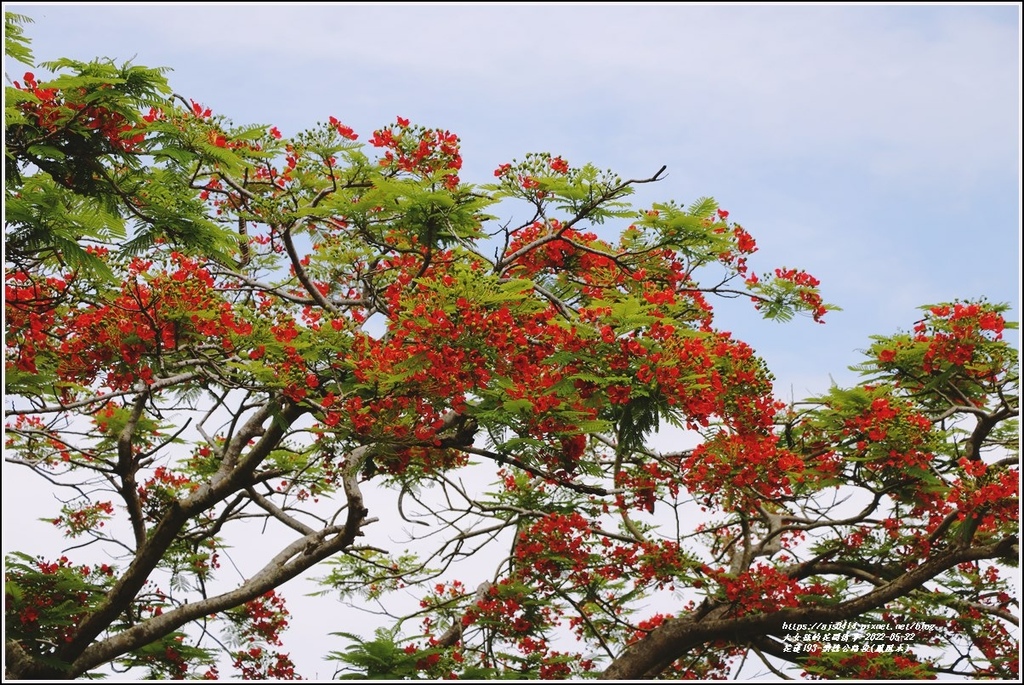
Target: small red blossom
{"points": [[343, 130], [199, 111]]}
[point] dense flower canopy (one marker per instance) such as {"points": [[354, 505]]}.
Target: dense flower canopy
{"points": [[210, 325]]}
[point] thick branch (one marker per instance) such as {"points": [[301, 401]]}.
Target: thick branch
{"points": [[126, 468], [296, 558], [299, 556], [674, 638], [278, 513], [228, 479]]}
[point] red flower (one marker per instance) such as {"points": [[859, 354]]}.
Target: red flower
{"points": [[403, 122], [198, 110], [991, 321], [343, 131], [722, 214], [573, 446], [744, 241]]}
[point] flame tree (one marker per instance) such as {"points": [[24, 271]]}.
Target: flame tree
{"points": [[215, 331]]}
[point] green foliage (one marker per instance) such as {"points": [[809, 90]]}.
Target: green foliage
{"points": [[16, 43], [45, 601], [369, 573], [319, 349], [75, 151], [379, 659], [384, 658], [171, 657]]}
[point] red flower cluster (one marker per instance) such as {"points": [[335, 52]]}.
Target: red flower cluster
{"points": [[257, 663], [200, 111], [118, 341], [47, 600], [420, 150], [79, 520], [762, 589], [343, 130], [807, 292], [956, 332], [55, 110], [986, 499], [266, 616]]}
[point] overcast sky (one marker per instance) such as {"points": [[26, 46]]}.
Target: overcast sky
{"points": [[877, 147]]}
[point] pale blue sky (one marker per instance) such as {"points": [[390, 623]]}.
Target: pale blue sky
{"points": [[877, 147]]}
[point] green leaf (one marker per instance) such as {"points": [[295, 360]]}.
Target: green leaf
{"points": [[517, 406], [16, 45], [703, 207]]}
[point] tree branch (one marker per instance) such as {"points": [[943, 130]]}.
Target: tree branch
{"points": [[227, 480], [674, 638]]}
